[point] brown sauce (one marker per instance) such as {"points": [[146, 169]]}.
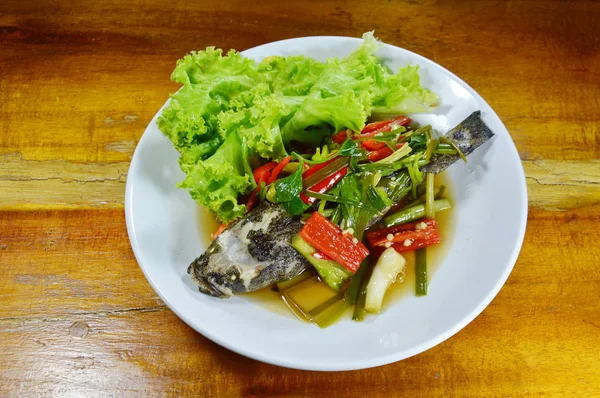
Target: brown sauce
{"points": [[272, 299]]}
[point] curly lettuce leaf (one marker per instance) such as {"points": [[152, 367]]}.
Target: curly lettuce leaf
{"points": [[401, 93], [211, 67], [218, 181], [259, 126], [231, 111], [294, 75], [318, 118]]}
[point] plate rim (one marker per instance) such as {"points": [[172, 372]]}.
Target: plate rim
{"points": [[362, 363]]}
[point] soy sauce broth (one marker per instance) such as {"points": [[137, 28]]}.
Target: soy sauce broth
{"points": [[271, 299]]}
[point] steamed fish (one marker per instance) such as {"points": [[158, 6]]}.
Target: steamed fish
{"points": [[252, 253], [255, 251]]}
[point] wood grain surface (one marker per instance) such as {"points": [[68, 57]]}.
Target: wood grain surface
{"points": [[78, 85]]}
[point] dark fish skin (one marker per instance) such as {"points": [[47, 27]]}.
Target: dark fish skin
{"points": [[467, 136], [251, 254]]}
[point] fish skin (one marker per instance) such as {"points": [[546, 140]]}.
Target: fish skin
{"points": [[468, 135], [252, 253]]}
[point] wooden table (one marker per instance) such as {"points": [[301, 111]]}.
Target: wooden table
{"points": [[78, 85]]}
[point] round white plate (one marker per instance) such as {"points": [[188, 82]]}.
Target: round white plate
{"points": [[164, 226]]}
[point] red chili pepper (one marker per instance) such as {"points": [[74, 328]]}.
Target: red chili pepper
{"points": [[326, 237], [374, 236], [406, 237], [386, 125], [383, 153], [259, 172], [313, 169], [278, 168], [252, 199], [221, 228], [372, 145], [340, 136], [371, 129], [325, 185], [379, 154], [417, 243]]}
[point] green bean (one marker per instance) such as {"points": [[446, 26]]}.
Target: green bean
{"points": [[414, 213], [421, 272]]}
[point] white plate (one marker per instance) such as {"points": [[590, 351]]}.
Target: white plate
{"points": [[164, 226]]}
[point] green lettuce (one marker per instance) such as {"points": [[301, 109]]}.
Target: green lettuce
{"points": [[317, 118], [401, 93], [232, 111], [217, 182]]}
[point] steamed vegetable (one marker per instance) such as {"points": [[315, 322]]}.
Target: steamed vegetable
{"points": [[325, 198], [322, 234], [261, 176], [421, 253], [232, 112], [333, 274], [216, 182], [421, 272], [332, 313], [406, 237], [415, 212], [326, 184], [389, 265], [354, 289]]}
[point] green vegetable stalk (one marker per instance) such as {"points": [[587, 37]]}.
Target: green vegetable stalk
{"points": [[333, 274]]}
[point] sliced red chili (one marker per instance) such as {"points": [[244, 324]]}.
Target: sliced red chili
{"points": [[340, 136], [379, 154], [319, 172], [275, 172], [329, 239], [406, 237], [221, 228], [411, 244], [324, 185], [386, 125], [383, 153], [260, 172], [372, 145]]}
